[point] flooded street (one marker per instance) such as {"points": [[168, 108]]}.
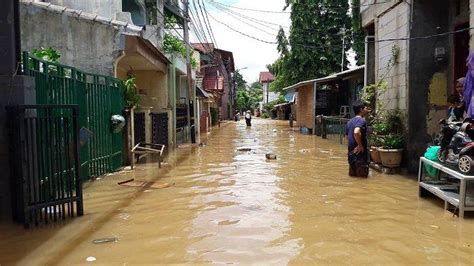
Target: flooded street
{"points": [[216, 204]]}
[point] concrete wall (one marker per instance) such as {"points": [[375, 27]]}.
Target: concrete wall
{"points": [[393, 24], [429, 85], [106, 8], [84, 44], [304, 107]]}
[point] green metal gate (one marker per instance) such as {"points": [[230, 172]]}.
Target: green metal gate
{"points": [[99, 97]]}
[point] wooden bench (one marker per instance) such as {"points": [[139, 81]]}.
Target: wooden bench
{"points": [[143, 149]]}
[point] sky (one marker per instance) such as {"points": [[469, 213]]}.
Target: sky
{"points": [[250, 56]]}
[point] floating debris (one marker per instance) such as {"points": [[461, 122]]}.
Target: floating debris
{"points": [[244, 149], [90, 259], [270, 156], [434, 226], [147, 184], [126, 181], [104, 240]]}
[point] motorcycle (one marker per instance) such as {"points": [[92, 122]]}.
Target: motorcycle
{"points": [[457, 145]]}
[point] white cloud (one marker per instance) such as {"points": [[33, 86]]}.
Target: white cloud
{"points": [[249, 53]]}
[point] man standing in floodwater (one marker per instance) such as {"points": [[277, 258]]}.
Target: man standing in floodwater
{"points": [[356, 132]]}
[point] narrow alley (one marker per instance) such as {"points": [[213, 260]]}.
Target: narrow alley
{"points": [[219, 204]]}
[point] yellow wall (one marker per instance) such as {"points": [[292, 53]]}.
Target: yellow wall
{"points": [[438, 101]]}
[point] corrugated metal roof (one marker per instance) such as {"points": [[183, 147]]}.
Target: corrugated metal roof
{"points": [[327, 78]]}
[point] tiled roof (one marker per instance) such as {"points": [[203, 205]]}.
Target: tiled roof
{"points": [[203, 47], [124, 26], [266, 77]]}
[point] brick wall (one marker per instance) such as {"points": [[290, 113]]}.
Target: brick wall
{"points": [[304, 109]]}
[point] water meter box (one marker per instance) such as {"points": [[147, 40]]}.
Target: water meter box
{"points": [[118, 123]]}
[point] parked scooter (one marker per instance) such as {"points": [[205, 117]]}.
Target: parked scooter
{"points": [[457, 145]]}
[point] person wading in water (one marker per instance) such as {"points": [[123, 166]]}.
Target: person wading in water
{"points": [[356, 132], [248, 118]]}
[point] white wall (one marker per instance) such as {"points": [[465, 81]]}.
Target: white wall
{"points": [[271, 95], [393, 24]]}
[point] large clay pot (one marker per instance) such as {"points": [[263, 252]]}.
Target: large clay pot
{"points": [[375, 155], [391, 157]]}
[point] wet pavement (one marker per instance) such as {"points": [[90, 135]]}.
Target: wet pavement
{"points": [[216, 204]]}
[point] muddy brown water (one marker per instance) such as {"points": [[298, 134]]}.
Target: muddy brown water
{"points": [[230, 206]]}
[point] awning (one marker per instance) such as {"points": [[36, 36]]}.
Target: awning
{"points": [[202, 93], [141, 54]]}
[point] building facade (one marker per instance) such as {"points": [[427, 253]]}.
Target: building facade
{"points": [[419, 47]]}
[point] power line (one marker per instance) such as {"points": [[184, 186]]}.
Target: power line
{"points": [[424, 37], [289, 12], [242, 21], [242, 33], [200, 31], [208, 22], [203, 28], [258, 21]]}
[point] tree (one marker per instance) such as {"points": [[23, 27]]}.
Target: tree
{"points": [[249, 97], [314, 46], [357, 33]]}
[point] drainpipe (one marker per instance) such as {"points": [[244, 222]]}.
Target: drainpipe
{"points": [[366, 59]]}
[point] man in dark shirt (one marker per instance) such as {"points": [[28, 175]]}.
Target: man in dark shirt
{"points": [[356, 132]]}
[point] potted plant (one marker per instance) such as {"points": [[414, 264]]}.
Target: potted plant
{"points": [[374, 145], [392, 139], [391, 150]]}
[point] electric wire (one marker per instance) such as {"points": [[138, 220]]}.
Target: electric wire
{"points": [[289, 12], [207, 22], [247, 23], [242, 33], [255, 20], [201, 25], [380, 40], [199, 31]]}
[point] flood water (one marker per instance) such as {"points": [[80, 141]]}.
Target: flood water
{"points": [[215, 204]]}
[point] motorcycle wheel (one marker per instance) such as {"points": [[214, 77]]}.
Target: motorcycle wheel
{"points": [[441, 155], [465, 164]]}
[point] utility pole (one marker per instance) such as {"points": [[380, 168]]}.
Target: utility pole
{"points": [[190, 104], [343, 31]]}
